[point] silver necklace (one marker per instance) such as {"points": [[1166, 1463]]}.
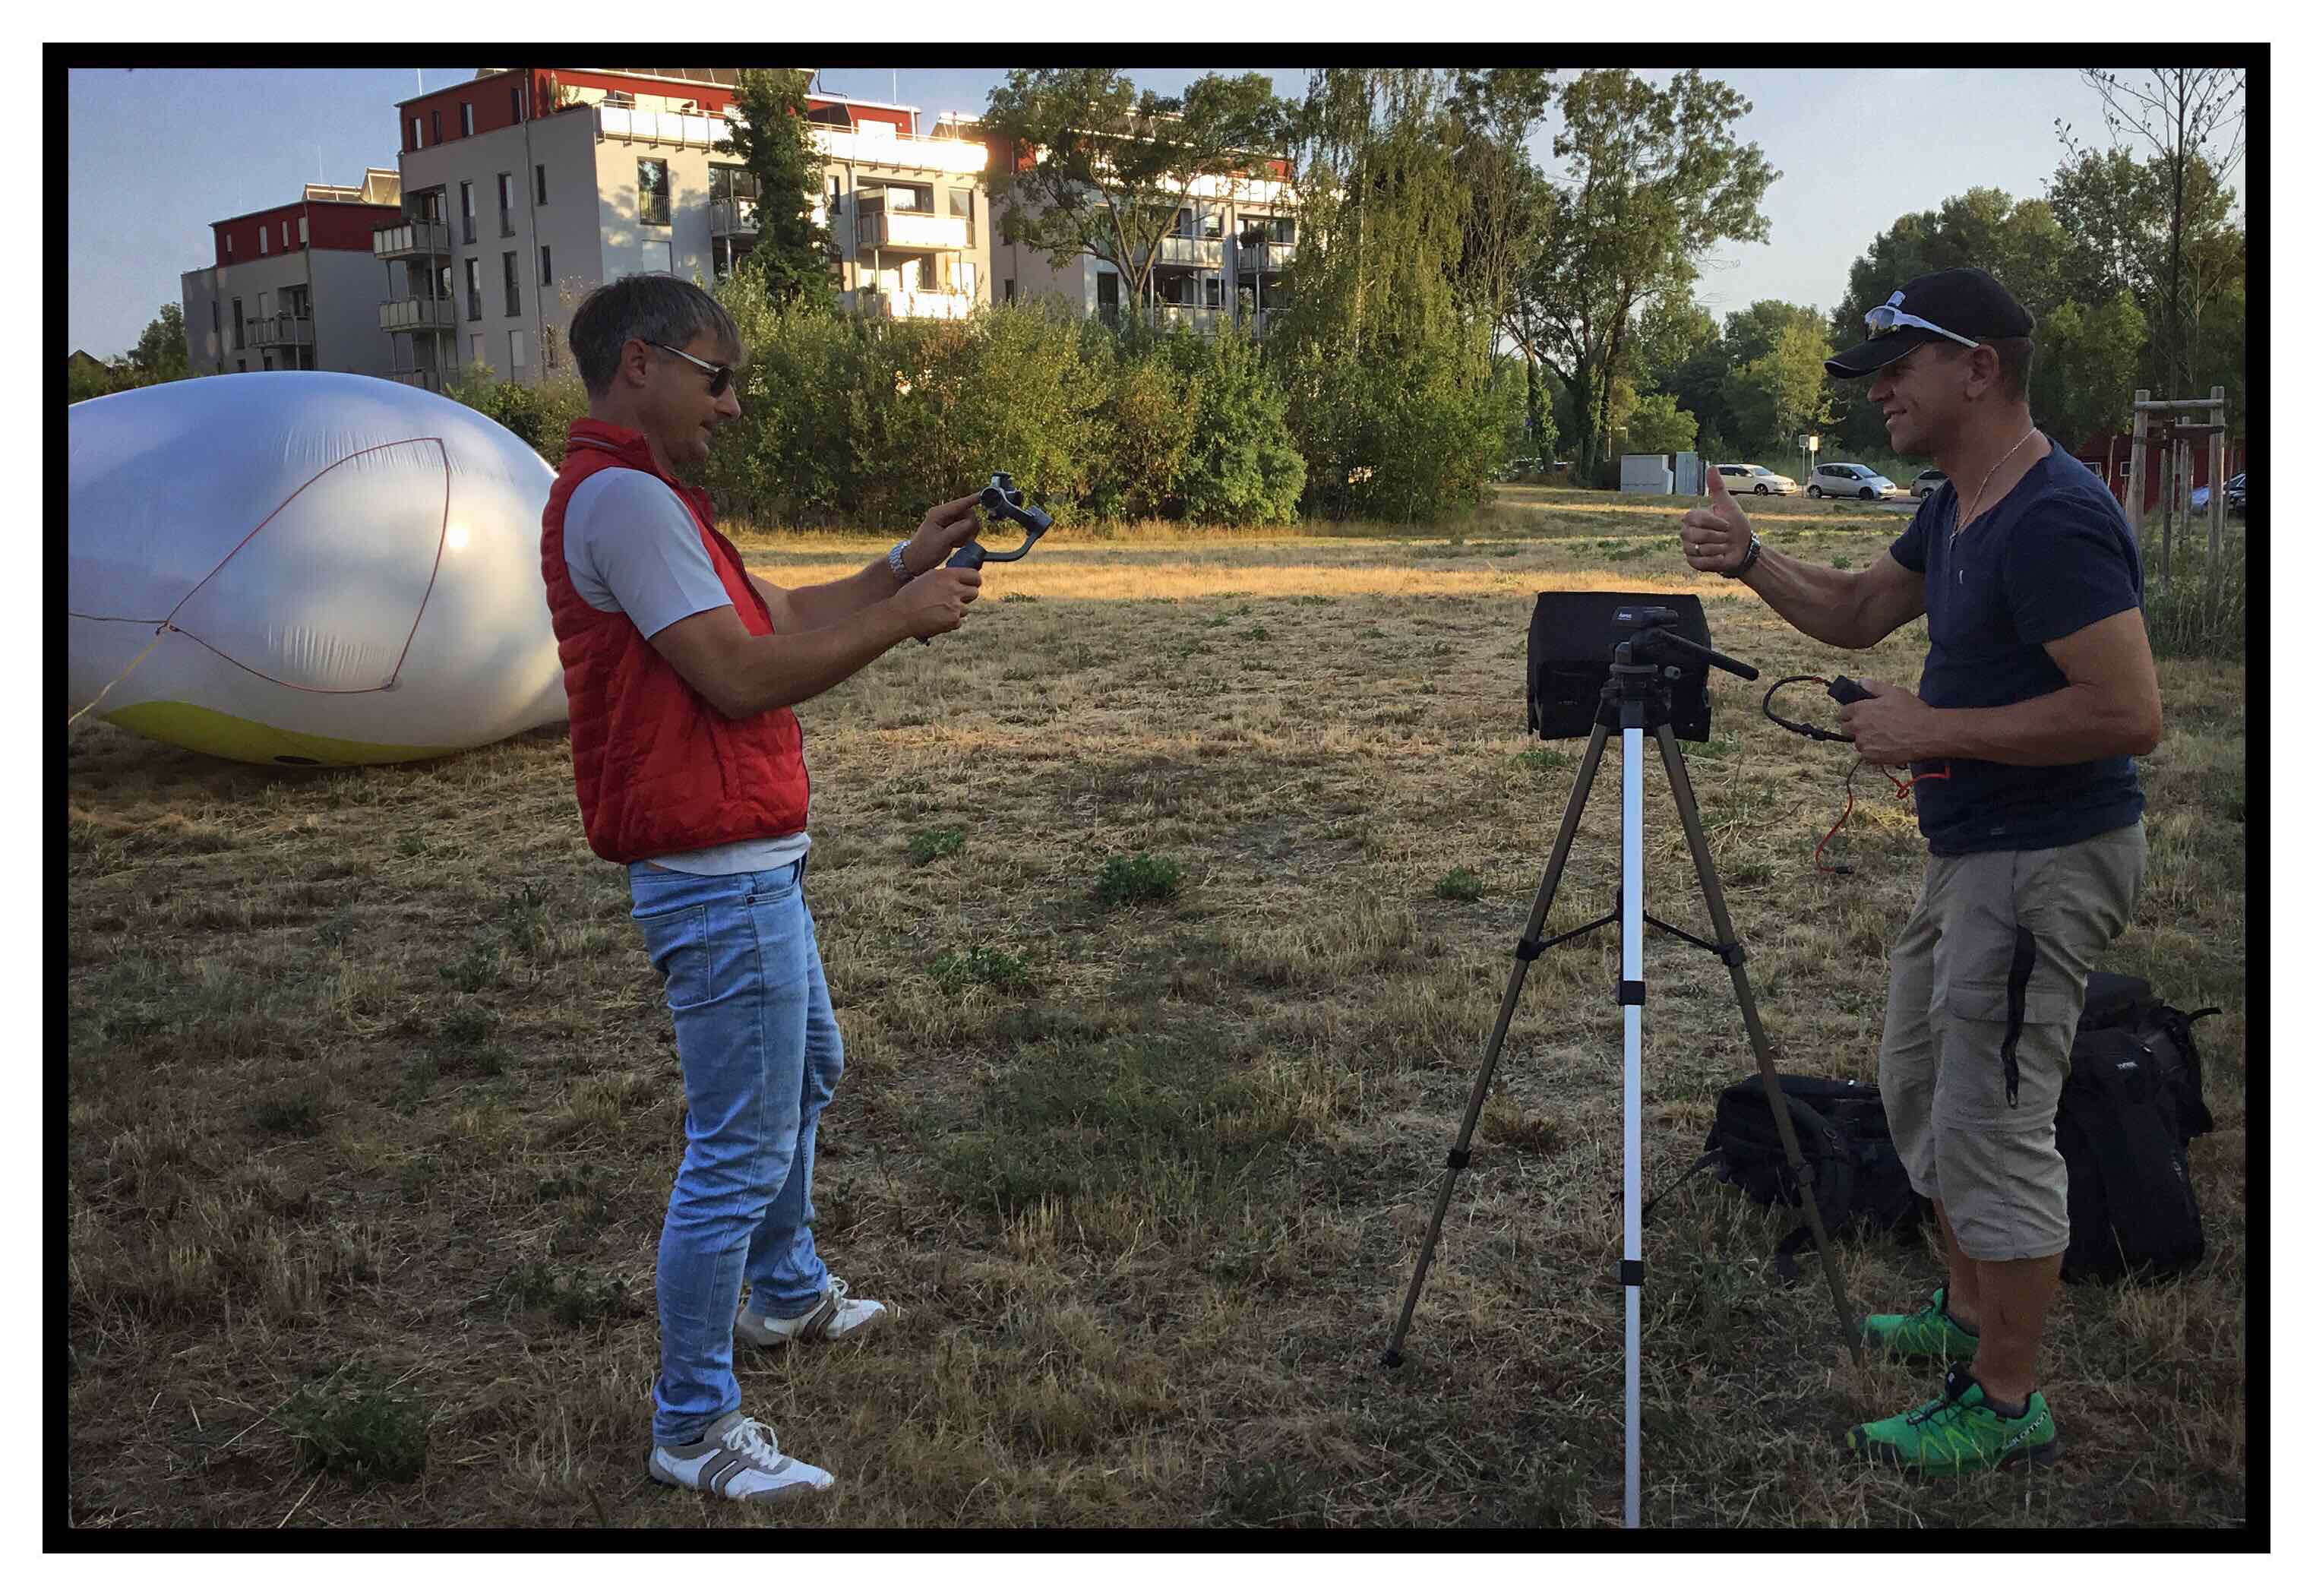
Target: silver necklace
{"points": [[1961, 524]]}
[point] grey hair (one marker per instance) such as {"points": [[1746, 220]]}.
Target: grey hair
{"points": [[655, 306]]}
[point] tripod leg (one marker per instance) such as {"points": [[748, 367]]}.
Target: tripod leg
{"points": [[1731, 951], [1458, 1158]]}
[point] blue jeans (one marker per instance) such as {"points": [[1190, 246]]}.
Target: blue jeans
{"points": [[739, 956]]}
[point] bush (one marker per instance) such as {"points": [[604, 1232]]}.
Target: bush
{"points": [[539, 417], [1141, 878], [1241, 467]]}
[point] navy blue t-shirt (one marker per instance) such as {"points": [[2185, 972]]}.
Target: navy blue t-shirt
{"points": [[2055, 556]]}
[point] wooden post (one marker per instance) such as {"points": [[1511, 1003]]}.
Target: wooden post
{"points": [[2136, 474], [2168, 500], [2216, 507]]}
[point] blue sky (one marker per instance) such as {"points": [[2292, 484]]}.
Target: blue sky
{"points": [[155, 156]]}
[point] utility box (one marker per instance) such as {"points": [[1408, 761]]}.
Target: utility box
{"points": [[1646, 473], [1687, 473]]}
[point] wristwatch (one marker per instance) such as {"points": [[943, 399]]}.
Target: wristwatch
{"points": [[898, 560], [1750, 558]]}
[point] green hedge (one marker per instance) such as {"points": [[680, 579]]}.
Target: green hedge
{"points": [[857, 421]]}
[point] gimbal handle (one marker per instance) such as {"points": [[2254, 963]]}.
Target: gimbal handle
{"points": [[1001, 501]]}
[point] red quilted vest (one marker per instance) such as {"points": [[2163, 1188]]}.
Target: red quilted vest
{"points": [[659, 769]]}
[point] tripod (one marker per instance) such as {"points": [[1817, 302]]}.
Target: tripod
{"points": [[1636, 699]]}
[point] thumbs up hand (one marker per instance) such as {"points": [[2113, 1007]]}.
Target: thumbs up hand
{"points": [[1716, 535]]}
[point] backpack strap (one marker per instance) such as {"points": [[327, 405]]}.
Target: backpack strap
{"points": [[1710, 1157]]}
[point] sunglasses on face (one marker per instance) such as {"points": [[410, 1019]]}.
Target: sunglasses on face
{"points": [[1882, 319], [718, 378]]}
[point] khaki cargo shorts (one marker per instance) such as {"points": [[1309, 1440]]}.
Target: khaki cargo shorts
{"points": [[1984, 990]]}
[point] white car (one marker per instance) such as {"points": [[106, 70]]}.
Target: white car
{"points": [[1755, 479], [1847, 481]]}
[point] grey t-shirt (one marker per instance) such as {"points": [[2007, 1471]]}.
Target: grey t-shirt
{"points": [[633, 551]]}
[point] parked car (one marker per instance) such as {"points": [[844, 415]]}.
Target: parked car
{"points": [[2236, 493], [1847, 481], [1926, 482], [1755, 479]]}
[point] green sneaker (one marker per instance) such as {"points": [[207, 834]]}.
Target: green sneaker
{"points": [[1960, 1433], [1930, 1333]]}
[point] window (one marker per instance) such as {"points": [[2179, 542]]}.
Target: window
{"points": [[1007, 290], [541, 179], [228, 244], [834, 194], [505, 205], [302, 239], [515, 103], [474, 292], [651, 192], [415, 142], [545, 268], [477, 347], [239, 328], [466, 210], [518, 355], [967, 279], [549, 349], [959, 204], [263, 234], [433, 124], [513, 284], [465, 119]]}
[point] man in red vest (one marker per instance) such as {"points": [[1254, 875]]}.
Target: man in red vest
{"points": [[682, 671]]}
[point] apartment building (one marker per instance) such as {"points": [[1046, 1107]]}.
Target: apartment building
{"points": [[525, 187], [293, 287], [1225, 257]]}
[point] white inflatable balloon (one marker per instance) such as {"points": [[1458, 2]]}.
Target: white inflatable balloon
{"points": [[307, 568]]}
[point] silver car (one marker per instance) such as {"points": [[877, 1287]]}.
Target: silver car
{"points": [[1847, 480]]}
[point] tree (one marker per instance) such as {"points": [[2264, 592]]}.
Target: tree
{"points": [[2190, 117], [1098, 168], [1659, 426], [1777, 396], [1407, 183], [1669, 332], [159, 352], [1654, 178], [2085, 368], [771, 134]]}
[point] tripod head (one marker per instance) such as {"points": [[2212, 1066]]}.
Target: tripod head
{"points": [[1654, 628]]}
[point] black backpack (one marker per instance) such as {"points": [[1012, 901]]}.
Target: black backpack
{"points": [[1842, 1135], [2131, 1105]]}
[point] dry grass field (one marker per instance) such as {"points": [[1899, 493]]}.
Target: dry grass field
{"points": [[374, 1104]]}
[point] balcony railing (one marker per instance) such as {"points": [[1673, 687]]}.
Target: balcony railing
{"points": [[916, 303], [726, 217], [1197, 318], [410, 239], [625, 123], [418, 377], [902, 150], [1263, 256], [909, 230], [283, 329], [653, 211], [1173, 249], [418, 315]]}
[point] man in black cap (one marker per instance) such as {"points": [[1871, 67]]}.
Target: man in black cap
{"points": [[2039, 689]]}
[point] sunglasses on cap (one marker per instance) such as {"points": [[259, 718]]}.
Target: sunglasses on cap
{"points": [[1882, 319], [719, 377]]}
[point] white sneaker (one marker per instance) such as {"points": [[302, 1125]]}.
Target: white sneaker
{"points": [[739, 1459], [836, 1315]]}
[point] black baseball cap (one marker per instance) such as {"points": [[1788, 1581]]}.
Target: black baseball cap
{"points": [[1964, 306]]}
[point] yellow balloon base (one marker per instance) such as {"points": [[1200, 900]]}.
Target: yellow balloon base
{"points": [[252, 742]]}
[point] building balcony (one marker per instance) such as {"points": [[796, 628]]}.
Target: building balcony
{"points": [[923, 304], [631, 126], [1196, 318], [1263, 258], [733, 218], [901, 151], [267, 331], [412, 239], [909, 230], [1197, 253], [424, 377], [419, 315]]}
